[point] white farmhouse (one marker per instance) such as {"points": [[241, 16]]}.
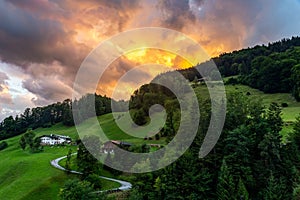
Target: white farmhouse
{"points": [[55, 139]]}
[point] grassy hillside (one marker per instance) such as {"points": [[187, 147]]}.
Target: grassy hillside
{"points": [[24, 175], [288, 114], [29, 176]]}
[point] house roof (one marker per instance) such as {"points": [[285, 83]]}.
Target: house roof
{"points": [[121, 143], [56, 137], [109, 145]]}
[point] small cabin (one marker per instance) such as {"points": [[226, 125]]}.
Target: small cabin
{"points": [[109, 147]]}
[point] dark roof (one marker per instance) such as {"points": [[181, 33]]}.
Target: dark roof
{"points": [[121, 143], [125, 143], [108, 145]]}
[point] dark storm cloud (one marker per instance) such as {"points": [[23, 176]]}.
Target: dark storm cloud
{"points": [[175, 13], [36, 34], [29, 39], [47, 91], [117, 13]]}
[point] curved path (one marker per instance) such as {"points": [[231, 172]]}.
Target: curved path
{"points": [[124, 184]]}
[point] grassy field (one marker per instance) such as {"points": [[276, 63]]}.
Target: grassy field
{"points": [[24, 175], [288, 114], [111, 130], [29, 176]]}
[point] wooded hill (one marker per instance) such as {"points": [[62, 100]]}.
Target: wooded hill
{"points": [[272, 69]]}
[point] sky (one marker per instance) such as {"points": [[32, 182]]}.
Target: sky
{"points": [[44, 42]]}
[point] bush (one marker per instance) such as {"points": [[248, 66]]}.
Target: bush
{"points": [[232, 81], [46, 126], [248, 93], [94, 180], [284, 105], [157, 136], [3, 145], [139, 117], [76, 189]]}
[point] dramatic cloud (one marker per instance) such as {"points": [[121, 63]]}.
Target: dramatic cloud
{"points": [[48, 90], [47, 40], [175, 14]]}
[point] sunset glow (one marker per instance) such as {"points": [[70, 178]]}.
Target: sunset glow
{"points": [[144, 56]]}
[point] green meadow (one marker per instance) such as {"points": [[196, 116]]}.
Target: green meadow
{"points": [[289, 113], [25, 175]]}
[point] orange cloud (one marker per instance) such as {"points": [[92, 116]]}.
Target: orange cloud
{"points": [[158, 56]]}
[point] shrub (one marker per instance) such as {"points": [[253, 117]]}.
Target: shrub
{"points": [[139, 117], [3, 145], [284, 105], [232, 81], [157, 136]]}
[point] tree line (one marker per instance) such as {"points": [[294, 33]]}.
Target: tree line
{"points": [[46, 116]]}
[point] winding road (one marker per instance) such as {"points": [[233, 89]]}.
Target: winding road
{"points": [[124, 184]]}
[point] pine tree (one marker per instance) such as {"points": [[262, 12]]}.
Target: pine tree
{"points": [[242, 192], [274, 190], [22, 142], [225, 187], [68, 160]]}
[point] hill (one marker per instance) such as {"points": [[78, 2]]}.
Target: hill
{"points": [[24, 175]]}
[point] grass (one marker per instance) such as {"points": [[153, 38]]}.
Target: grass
{"points": [[113, 132], [288, 114], [24, 175]]}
